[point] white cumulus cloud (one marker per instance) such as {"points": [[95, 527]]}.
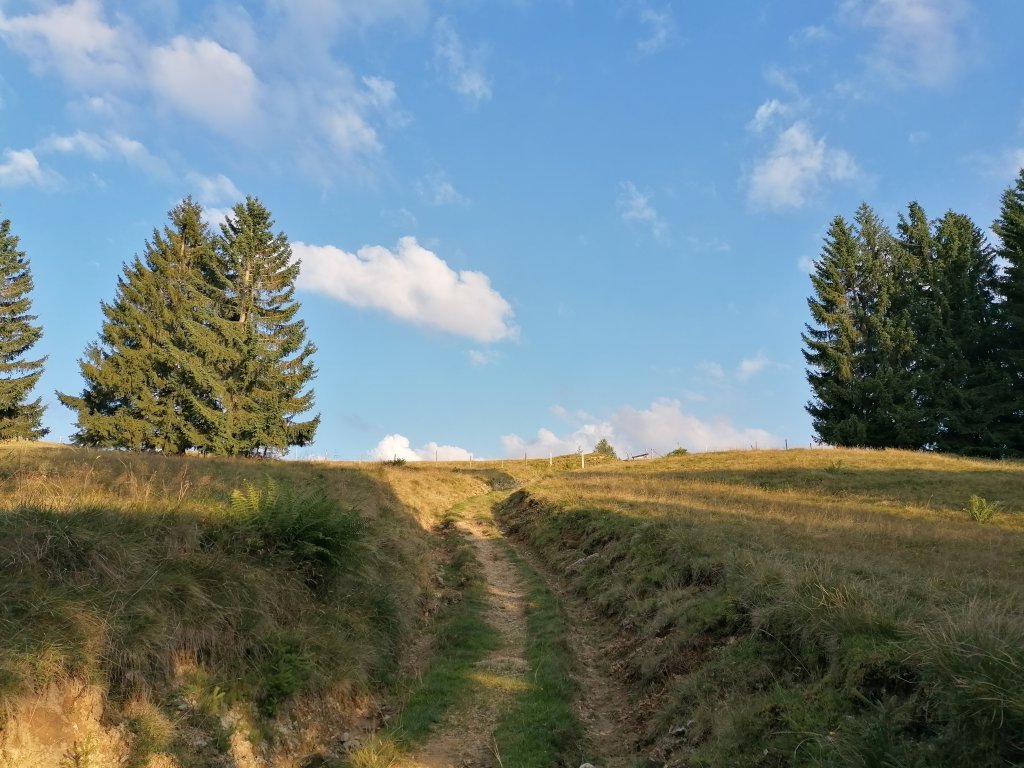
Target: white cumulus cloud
{"points": [[795, 168], [398, 446], [20, 167], [662, 427], [206, 81], [411, 283]]}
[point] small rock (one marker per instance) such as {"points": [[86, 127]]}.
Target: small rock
{"points": [[588, 765]]}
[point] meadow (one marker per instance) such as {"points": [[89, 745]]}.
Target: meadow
{"points": [[806, 607], [756, 608]]}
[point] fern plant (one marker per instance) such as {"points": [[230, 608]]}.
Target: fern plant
{"points": [[306, 528]]}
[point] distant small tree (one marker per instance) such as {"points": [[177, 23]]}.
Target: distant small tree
{"points": [[19, 417], [604, 448], [680, 451]]}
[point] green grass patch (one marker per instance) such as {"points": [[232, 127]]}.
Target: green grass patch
{"points": [[540, 729]]}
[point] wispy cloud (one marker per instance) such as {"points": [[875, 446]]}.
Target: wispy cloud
{"points": [[635, 208], [463, 69], [661, 29], [411, 283], [751, 366], [712, 370], [814, 33], [104, 147], [1001, 166], [919, 42], [795, 168], [437, 189], [767, 114], [482, 357], [708, 244]]}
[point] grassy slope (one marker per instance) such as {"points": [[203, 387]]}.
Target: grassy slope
{"points": [[802, 607], [134, 572]]}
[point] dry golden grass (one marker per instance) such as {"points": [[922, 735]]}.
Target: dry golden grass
{"points": [[135, 572], [804, 607]]}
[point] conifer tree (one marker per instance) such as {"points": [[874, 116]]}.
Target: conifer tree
{"points": [[834, 342], [970, 388], [19, 418], [885, 368], [152, 380], [1009, 227], [270, 361], [860, 347]]}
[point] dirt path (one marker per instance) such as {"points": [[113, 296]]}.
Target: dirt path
{"points": [[464, 737]]}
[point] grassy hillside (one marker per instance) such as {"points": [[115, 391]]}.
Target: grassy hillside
{"points": [[149, 577], [802, 607]]}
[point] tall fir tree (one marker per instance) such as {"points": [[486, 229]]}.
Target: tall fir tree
{"points": [[271, 360], [152, 380], [20, 419], [1009, 227], [885, 370], [968, 388], [835, 340], [860, 346]]}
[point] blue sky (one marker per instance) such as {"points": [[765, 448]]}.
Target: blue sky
{"points": [[524, 225]]}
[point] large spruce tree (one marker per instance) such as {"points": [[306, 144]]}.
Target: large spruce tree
{"points": [[905, 350], [19, 417], [966, 389], [835, 340], [859, 348], [153, 379], [270, 362], [1009, 227]]}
